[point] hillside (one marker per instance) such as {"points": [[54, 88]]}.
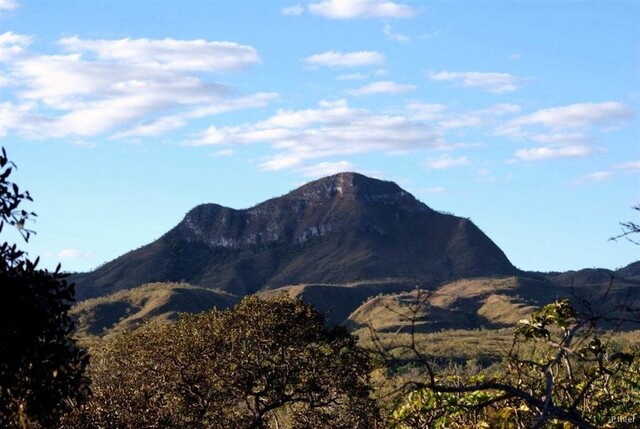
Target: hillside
{"points": [[337, 230], [490, 303], [126, 309]]}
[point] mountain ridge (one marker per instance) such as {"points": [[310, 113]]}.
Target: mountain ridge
{"points": [[341, 228]]}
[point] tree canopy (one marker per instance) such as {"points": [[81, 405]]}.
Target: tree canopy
{"points": [[264, 363], [561, 372], [41, 367]]}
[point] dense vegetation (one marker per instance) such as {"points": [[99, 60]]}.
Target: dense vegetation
{"points": [[559, 372], [264, 363], [273, 363], [41, 368]]}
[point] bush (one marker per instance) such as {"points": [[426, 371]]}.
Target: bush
{"points": [[262, 363]]}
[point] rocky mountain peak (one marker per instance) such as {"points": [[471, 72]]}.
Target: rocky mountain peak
{"points": [[342, 228], [350, 186]]}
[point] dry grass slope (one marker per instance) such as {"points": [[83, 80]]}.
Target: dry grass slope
{"points": [[126, 309], [465, 304]]}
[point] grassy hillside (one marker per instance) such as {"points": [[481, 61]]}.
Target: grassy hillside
{"points": [[338, 301], [465, 304], [126, 309]]}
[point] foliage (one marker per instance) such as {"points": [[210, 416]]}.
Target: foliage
{"points": [[264, 363], [41, 368], [560, 372]]}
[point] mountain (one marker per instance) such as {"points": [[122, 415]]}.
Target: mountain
{"points": [[337, 230]]}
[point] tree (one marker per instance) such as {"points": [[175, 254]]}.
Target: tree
{"points": [[629, 228], [264, 363], [41, 367], [560, 372]]}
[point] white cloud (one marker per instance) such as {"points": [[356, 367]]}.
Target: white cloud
{"points": [[595, 177], [544, 153], [323, 169], [127, 86], [391, 35], [599, 176], [12, 116], [168, 54], [74, 254], [349, 59], [492, 82], [169, 123], [353, 76], [631, 166], [383, 87], [427, 111], [432, 190], [223, 152], [8, 4], [610, 113], [13, 45], [560, 138], [292, 10], [332, 129], [155, 127], [445, 161], [566, 125], [351, 9], [448, 120], [478, 118]]}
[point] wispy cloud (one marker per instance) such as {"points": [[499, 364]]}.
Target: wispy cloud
{"points": [[332, 129], [292, 10], [383, 87], [13, 45], [432, 190], [445, 162], [599, 176], [492, 82], [447, 119], [74, 254], [610, 113], [348, 59], [223, 152], [592, 178], [567, 125], [168, 54], [100, 86], [391, 35], [629, 166], [571, 138], [169, 123], [545, 153], [8, 4], [353, 76], [352, 9], [322, 169]]}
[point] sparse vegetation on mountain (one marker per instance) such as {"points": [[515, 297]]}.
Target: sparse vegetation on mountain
{"points": [[263, 363], [41, 367]]}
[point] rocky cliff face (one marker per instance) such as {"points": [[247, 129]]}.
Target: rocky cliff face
{"points": [[342, 228], [314, 210]]}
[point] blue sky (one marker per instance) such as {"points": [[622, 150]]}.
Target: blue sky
{"points": [[523, 116]]}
